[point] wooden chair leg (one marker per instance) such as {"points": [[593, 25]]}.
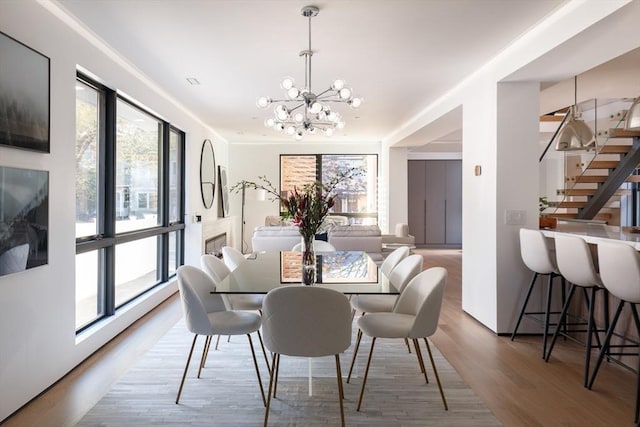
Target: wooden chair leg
{"points": [[186, 368], [435, 371], [366, 373], [255, 363], [340, 388], [416, 344], [355, 352]]}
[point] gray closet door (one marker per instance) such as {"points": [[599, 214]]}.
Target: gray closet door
{"points": [[436, 193], [435, 201], [417, 200], [453, 225]]}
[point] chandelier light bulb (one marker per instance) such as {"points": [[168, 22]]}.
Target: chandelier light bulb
{"points": [[355, 102], [293, 92], [337, 84], [316, 107], [287, 83], [269, 122], [298, 117], [291, 130], [299, 135], [311, 130], [322, 115], [332, 116], [328, 131], [340, 125], [345, 93], [279, 126], [263, 102]]}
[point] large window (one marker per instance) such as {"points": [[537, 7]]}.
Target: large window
{"points": [[356, 198], [129, 201]]}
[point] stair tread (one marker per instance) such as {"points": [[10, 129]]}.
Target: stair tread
{"points": [[614, 149], [622, 133], [591, 191], [603, 164]]}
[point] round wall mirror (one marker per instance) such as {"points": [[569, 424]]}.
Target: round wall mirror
{"points": [[207, 173]]}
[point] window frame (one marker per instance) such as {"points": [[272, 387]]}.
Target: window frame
{"points": [[106, 239]]}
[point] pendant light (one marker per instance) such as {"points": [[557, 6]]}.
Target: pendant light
{"points": [[576, 134], [632, 119]]}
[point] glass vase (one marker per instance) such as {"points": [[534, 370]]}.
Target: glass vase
{"points": [[308, 261]]}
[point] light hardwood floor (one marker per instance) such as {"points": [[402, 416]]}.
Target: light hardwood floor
{"points": [[510, 377]]}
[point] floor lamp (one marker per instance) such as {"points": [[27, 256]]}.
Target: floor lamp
{"points": [[259, 195]]}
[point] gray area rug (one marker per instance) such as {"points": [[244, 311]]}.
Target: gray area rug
{"points": [[227, 393]]}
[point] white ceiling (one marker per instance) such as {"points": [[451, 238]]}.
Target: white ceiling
{"points": [[399, 55]]}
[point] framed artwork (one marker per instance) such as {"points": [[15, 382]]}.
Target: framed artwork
{"points": [[24, 96], [24, 219], [224, 191]]}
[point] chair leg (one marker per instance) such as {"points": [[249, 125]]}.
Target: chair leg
{"points": [[524, 305], [205, 352], [561, 322], [264, 352], [546, 314], [416, 344], [277, 369], [186, 368], [274, 363], [605, 344], [340, 389], [435, 371], [406, 342], [590, 331], [355, 352], [637, 322], [366, 373], [217, 341], [255, 363]]}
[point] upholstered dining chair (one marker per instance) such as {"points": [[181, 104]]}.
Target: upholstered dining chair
{"points": [[218, 271], [414, 316], [306, 321], [620, 273], [393, 259], [232, 257], [193, 283], [318, 246]]}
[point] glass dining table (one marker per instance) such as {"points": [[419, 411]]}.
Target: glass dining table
{"points": [[350, 272]]}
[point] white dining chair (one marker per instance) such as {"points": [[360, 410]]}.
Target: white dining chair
{"points": [[305, 321], [218, 271], [232, 257], [414, 316], [192, 283], [393, 259], [620, 273]]}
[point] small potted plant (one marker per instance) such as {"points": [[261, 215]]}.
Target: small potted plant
{"points": [[545, 221]]}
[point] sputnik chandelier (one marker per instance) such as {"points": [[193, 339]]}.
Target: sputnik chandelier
{"points": [[303, 111]]}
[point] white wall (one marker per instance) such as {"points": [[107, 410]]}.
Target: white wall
{"points": [[249, 161], [38, 344]]}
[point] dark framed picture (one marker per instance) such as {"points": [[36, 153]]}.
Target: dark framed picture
{"points": [[24, 219], [24, 96], [224, 191]]}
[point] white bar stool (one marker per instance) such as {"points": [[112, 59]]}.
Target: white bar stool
{"points": [[576, 265], [620, 273], [540, 259]]}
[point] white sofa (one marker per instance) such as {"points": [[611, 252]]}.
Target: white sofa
{"points": [[276, 238], [366, 238]]}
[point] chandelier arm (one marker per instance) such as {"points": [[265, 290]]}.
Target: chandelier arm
{"points": [[296, 107], [308, 57], [327, 90], [342, 101]]}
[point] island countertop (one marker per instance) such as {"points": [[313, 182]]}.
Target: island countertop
{"points": [[595, 233]]}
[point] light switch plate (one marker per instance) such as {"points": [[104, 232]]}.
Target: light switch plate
{"points": [[513, 217]]}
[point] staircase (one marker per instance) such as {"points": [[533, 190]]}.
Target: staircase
{"points": [[595, 191]]}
